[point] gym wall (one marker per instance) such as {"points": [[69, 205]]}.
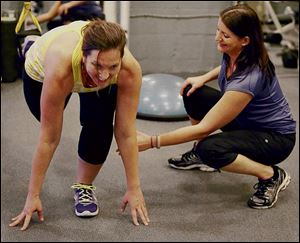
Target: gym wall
{"points": [[175, 37]]}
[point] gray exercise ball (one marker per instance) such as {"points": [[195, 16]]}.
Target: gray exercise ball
{"points": [[160, 98]]}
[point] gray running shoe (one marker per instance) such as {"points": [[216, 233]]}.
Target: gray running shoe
{"points": [[268, 190]]}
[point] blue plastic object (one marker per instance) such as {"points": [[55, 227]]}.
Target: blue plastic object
{"points": [[160, 98]]}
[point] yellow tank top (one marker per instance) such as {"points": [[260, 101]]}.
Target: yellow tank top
{"points": [[36, 55]]}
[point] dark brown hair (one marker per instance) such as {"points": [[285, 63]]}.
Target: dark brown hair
{"points": [[102, 35], [243, 21]]}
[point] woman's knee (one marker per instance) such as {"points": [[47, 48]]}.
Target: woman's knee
{"points": [[198, 103], [94, 142], [206, 150], [213, 154], [190, 104]]}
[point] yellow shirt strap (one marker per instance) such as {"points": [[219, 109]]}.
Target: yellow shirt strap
{"points": [[27, 10]]}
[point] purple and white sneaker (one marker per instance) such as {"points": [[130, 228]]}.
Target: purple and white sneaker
{"points": [[86, 203]]}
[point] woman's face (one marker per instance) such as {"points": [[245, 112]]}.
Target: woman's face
{"points": [[103, 66], [228, 42]]}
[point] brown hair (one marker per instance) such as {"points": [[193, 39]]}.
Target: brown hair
{"points": [[102, 35], [243, 21]]}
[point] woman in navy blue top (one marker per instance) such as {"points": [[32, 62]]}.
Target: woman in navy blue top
{"points": [[64, 12], [257, 130]]}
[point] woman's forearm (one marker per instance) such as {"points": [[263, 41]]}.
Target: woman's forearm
{"points": [[40, 164], [129, 153], [52, 13], [178, 136], [212, 75], [72, 4]]}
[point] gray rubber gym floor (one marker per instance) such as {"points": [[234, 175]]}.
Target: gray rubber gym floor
{"points": [[183, 205]]}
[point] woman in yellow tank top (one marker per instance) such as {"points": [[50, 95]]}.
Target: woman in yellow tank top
{"points": [[89, 58]]}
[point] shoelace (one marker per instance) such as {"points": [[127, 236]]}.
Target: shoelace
{"points": [[262, 187], [85, 194], [188, 156]]}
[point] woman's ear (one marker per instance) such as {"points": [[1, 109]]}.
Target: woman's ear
{"points": [[245, 41], [83, 59]]}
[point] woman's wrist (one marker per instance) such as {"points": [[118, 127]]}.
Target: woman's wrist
{"points": [[158, 141], [151, 142], [155, 141]]}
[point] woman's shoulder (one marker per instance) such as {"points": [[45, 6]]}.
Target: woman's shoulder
{"points": [[64, 44], [129, 62], [250, 79]]}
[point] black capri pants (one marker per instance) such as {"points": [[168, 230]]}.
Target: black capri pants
{"points": [[96, 118], [220, 149]]}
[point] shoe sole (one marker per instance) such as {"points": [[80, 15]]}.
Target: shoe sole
{"points": [[86, 213], [282, 187], [191, 167], [207, 169]]}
